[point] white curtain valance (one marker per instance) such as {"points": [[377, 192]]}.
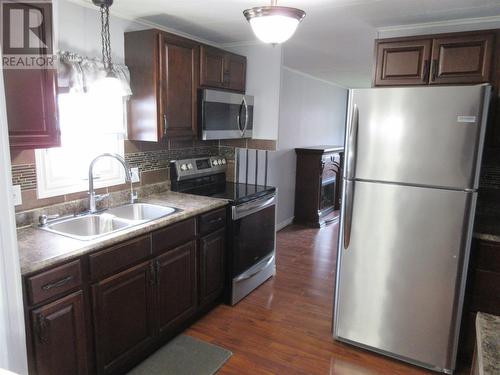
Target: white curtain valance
{"points": [[77, 74]]}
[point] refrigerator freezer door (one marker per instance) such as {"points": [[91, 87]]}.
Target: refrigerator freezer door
{"points": [[421, 136], [398, 287]]}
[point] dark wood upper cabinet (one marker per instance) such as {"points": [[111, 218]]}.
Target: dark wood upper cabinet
{"points": [[176, 280], [237, 71], [164, 75], [32, 115], [462, 59], [59, 337], [212, 249], [123, 317], [222, 69], [402, 63], [212, 67], [179, 65]]}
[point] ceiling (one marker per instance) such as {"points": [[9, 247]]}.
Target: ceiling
{"points": [[335, 40]]}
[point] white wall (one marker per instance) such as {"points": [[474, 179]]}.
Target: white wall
{"points": [[312, 112], [79, 30], [263, 81]]}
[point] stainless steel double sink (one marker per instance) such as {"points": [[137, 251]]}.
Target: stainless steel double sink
{"points": [[94, 225]]}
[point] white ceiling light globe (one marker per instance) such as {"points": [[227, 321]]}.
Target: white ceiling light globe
{"points": [[274, 29], [274, 24]]}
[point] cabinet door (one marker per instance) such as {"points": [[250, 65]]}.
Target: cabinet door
{"points": [[60, 344], [179, 76], [212, 251], [30, 97], [402, 62], [212, 67], [462, 59], [123, 317], [235, 73], [176, 280]]}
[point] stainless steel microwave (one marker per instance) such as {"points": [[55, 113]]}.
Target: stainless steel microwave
{"points": [[225, 115]]}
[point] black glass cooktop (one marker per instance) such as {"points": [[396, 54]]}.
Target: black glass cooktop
{"points": [[240, 193]]}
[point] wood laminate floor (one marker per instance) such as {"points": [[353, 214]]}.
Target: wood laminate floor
{"points": [[284, 327]]}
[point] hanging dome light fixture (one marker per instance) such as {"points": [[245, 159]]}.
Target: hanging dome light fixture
{"points": [[274, 24]]}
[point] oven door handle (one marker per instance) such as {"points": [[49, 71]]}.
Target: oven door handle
{"points": [[252, 207], [244, 276]]}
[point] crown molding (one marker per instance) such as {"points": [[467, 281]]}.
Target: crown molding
{"points": [[149, 24], [247, 43], [310, 76], [424, 28]]}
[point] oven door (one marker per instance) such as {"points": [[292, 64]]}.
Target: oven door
{"points": [[254, 233], [226, 115]]}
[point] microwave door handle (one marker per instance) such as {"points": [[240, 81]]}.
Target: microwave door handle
{"points": [[242, 131], [246, 115]]}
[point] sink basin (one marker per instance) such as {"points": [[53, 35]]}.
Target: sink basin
{"points": [[140, 212], [92, 226], [88, 227]]}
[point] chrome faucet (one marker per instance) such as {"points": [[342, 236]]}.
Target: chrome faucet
{"points": [[93, 198]]}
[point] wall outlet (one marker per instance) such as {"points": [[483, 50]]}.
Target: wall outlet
{"points": [[135, 175], [16, 195]]}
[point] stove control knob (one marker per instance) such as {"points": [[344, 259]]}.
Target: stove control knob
{"points": [[220, 161], [223, 161], [190, 166], [184, 167], [214, 162]]}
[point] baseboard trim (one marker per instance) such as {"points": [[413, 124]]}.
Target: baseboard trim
{"points": [[284, 224]]}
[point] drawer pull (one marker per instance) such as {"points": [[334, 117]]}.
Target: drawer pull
{"points": [[57, 284], [215, 221]]}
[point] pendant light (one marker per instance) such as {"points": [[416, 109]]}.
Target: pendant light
{"points": [[110, 84], [274, 24]]}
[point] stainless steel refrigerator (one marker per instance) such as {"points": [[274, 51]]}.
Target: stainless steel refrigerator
{"points": [[413, 157]]}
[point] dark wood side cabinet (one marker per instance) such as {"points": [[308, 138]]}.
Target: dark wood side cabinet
{"points": [[459, 58], [318, 183], [222, 69], [32, 115], [482, 292], [104, 312]]}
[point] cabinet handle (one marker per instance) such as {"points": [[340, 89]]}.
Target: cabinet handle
{"points": [[434, 69], [165, 124], [42, 328], [58, 283], [157, 271], [426, 70], [215, 221], [152, 274]]}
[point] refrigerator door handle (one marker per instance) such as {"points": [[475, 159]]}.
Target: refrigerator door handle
{"points": [[352, 144], [349, 199]]}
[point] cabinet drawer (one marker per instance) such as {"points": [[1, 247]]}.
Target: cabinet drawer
{"points": [[212, 221], [119, 257], [54, 282], [173, 236]]}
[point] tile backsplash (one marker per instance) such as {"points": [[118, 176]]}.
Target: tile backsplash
{"points": [[152, 159]]}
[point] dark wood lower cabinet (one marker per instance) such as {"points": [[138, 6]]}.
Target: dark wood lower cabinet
{"points": [[59, 337], [123, 317], [212, 249], [158, 284], [176, 280]]}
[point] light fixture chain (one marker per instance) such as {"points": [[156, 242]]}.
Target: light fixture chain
{"points": [[106, 39]]}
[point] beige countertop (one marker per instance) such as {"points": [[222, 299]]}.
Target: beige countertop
{"points": [[39, 249], [488, 344]]}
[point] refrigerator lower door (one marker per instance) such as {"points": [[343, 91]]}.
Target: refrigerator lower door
{"points": [[400, 272]]}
